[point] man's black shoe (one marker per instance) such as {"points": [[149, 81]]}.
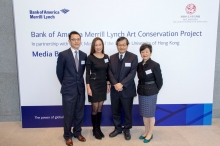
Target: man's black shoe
{"points": [[127, 135], [114, 133]]}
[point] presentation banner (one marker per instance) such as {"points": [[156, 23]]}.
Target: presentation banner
{"points": [[183, 35]]}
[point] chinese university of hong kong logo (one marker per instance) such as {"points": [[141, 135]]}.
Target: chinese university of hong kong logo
{"points": [[190, 9]]}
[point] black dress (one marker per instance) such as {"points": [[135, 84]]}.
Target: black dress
{"points": [[96, 76]]}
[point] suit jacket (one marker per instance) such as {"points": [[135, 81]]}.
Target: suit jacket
{"points": [[153, 74], [127, 74], [71, 81]]}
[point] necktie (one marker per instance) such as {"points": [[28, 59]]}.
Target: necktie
{"points": [[76, 61], [121, 57]]}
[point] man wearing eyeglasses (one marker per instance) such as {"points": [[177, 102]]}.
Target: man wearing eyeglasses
{"points": [[70, 70], [122, 70]]}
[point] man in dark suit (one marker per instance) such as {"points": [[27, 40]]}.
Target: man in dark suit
{"points": [[70, 70], [122, 70]]}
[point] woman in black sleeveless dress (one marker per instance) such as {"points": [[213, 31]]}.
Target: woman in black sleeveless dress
{"points": [[97, 83]]}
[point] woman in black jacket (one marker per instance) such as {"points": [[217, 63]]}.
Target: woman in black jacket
{"points": [[149, 84]]}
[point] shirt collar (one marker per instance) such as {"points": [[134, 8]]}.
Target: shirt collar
{"points": [[123, 55], [147, 62], [73, 50]]}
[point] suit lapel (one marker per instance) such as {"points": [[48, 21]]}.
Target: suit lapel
{"points": [[115, 60], [72, 58], [80, 61], [123, 62], [142, 69]]}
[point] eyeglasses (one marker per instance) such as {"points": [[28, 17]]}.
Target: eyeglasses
{"points": [[122, 45], [74, 40]]}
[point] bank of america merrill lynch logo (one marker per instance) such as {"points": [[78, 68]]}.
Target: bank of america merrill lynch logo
{"points": [[64, 11], [46, 14]]}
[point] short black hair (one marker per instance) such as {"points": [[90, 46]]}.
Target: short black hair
{"points": [[144, 46], [74, 32], [121, 39]]}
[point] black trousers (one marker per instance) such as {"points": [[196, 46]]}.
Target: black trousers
{"points": [[73, 110], [118, 104]]}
